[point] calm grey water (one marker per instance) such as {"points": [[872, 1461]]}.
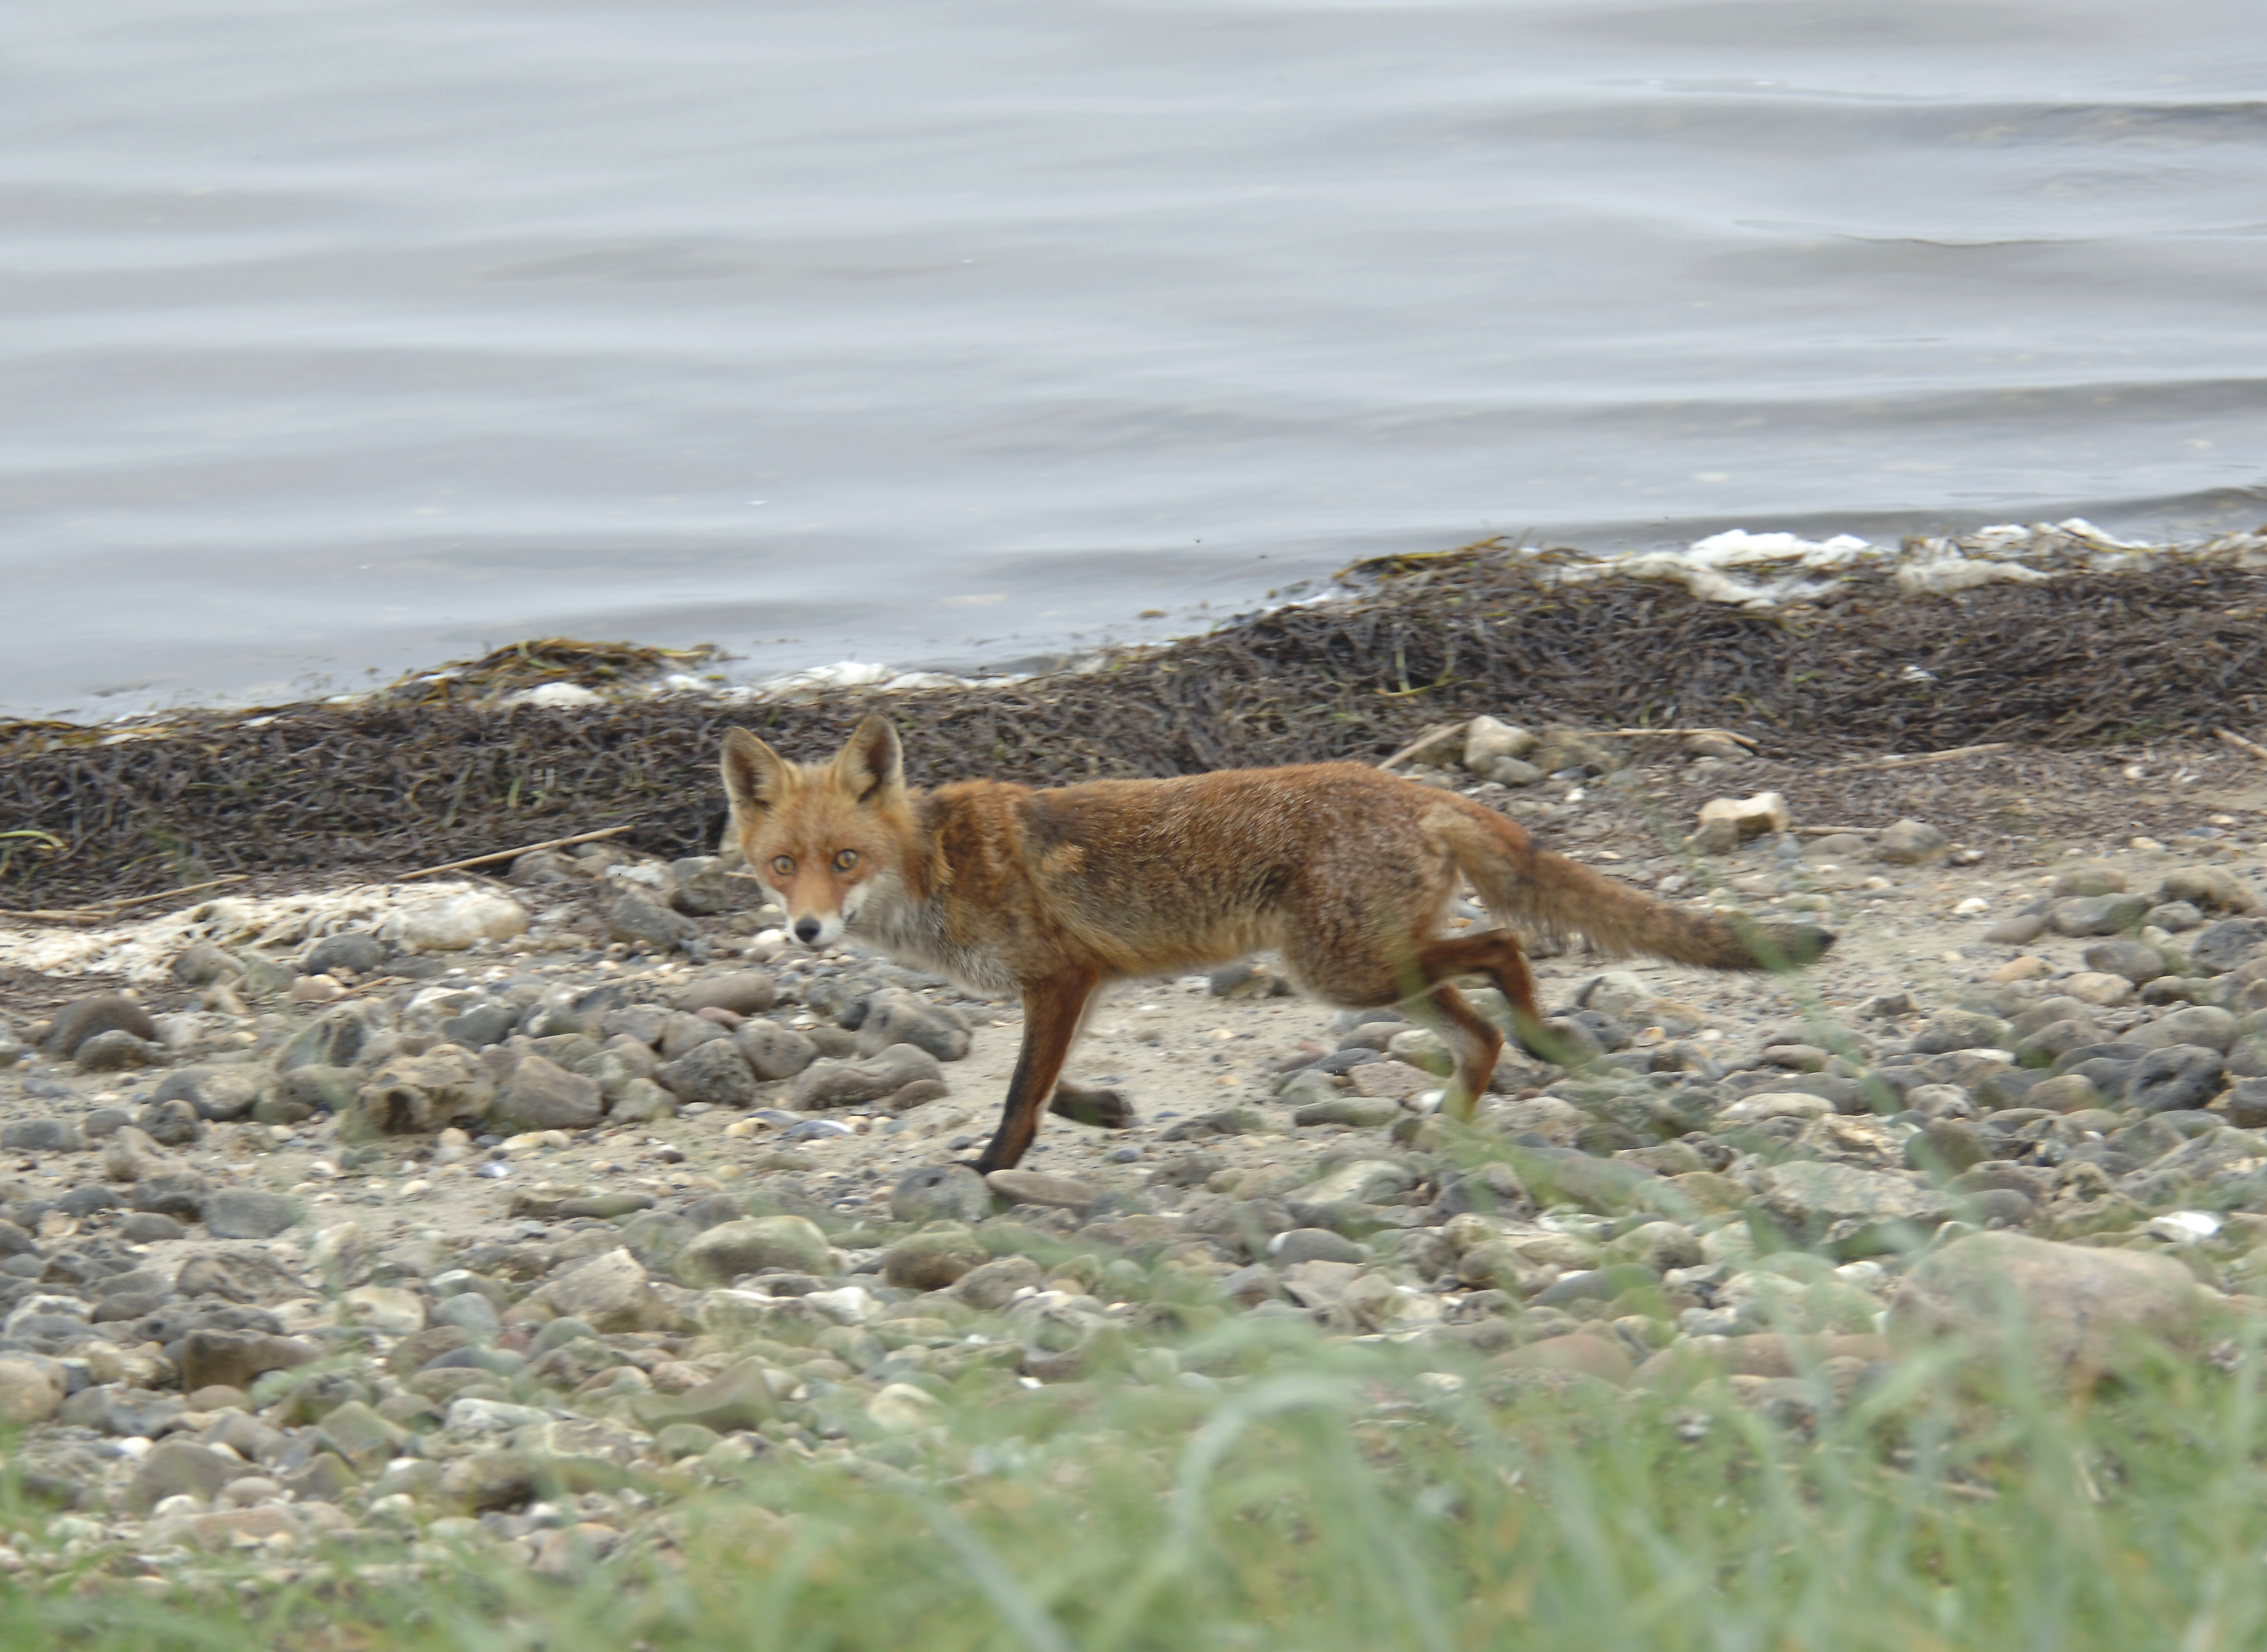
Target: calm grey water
{"points": [[339, 336]]}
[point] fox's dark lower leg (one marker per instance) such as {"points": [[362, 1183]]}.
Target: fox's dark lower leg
{"points": [[1494, 954], [1052, 1009], [1476, 1044]]}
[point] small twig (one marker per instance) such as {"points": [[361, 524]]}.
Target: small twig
{"points": [[1926, 756], [1678, 734], [510, 854], [1419, 744], [104, 910], [2241, 744], [167, 895]]}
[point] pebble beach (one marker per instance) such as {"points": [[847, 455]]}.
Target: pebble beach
{"points": [[496, 1216]]}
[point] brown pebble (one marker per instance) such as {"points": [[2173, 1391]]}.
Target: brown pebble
{"points": [[913, 1094]]}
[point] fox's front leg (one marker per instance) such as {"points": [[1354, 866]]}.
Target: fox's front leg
{"points": [[1052, 1009]]}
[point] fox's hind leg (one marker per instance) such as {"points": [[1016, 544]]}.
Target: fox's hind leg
{"points": [[1475, 1042], [1494, 954]]}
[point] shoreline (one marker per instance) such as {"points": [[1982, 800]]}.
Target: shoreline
{"points": [[2101, 652]]}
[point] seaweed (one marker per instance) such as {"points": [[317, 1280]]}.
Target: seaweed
{"points": [[444, 766]]}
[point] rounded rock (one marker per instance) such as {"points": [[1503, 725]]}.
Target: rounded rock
{"points": [[994, 1284], [249, 1213], [1298, 1244], [697, 886], [446, 1086], [217, 1094], [356, 950], [173, 1122], [934, 1258], [934, 1193], [200, 964], [1487, 739], [1357, 1112], [1951, 1030], [42, 1136], [633, 919], [471, 1312], [2136, 960], [610, 1293], [1660, 1245], [2211, 889], [84, 1019], [902, 1409], [30, 1391], [2200, 1024], [544, 1096], [835, 1083], [2089, 877], [117, 1051], [2096, 914], [720, 1254], [895, 1016], [2175, 1078], [742, 991], [714, 1071], [1910, 842], [177, 1467], [772, 1052]]}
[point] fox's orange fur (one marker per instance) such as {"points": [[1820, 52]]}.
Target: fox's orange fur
{"points": [[1347, 873]]}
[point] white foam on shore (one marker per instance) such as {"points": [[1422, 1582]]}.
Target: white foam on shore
{"points": [[143, 949], [1768, 570]]}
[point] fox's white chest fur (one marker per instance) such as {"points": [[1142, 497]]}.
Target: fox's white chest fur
{"points": [[912, 931]]}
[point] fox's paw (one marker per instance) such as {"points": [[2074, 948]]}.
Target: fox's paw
{"points": [[1086, 1104]]}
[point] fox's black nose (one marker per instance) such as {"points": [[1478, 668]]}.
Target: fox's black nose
{"points": [[806, 931]]}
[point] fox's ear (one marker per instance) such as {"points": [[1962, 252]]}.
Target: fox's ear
{"points": [[872, 763], [755, 776]]}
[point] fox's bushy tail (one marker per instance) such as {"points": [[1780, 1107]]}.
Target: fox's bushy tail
{"points": [[1537, 890]]}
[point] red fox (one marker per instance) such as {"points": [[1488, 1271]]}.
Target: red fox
{"points": [[1346, 871]]}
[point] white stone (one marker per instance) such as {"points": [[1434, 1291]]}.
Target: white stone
{"points": [[386, 1309], [1383, 1304], [436, 1004], [1485, 738], [305, 1313], [29, 1393], [849, 1306], [1617, 993], [315, 990], [556, 694], [456, 923], [1775, 1104], [1750, 817], [900, 1407], [491, 1417], [734, 1316], [2093, 987]]}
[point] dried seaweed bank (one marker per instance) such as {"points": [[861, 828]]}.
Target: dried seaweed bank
{"points": [[453, 764]]}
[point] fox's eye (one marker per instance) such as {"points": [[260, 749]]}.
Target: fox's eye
{"points": [[783, 866], [846, 859]]}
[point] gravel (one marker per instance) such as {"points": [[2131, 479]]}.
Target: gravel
{"points": [[551, 1212]]}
